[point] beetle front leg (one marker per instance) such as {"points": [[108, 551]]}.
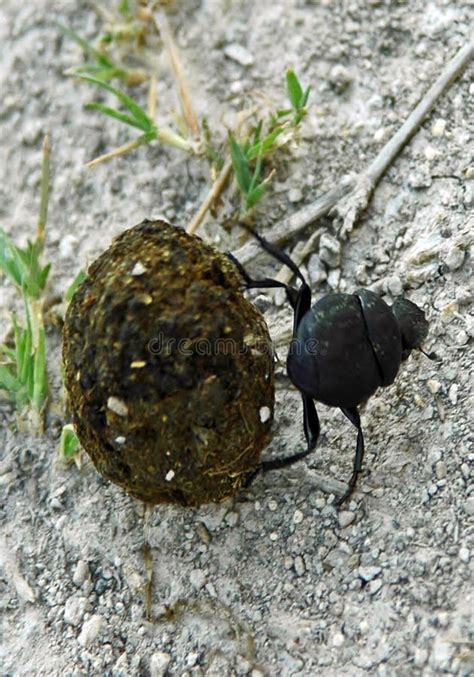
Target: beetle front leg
{"points": [[354, 418]]}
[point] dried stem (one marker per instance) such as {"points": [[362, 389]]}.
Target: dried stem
{"points": [[43, 209], [361, 189], [163, 27], [359, 200], [211, 197]]}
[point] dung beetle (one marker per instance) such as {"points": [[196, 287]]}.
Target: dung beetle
{"points": [[343, 348]]}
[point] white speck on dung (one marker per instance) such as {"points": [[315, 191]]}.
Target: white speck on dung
{"points": [[265, 414], [169, 475], [138, 269], [117, 405]]}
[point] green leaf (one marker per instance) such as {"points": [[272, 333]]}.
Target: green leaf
{"points": [[86, 46], [240, 165], [69, 442], [265, 145], [255, 195], [8, 380], [141, 118], [114, 113], [124, 8], [295, 91], [74, 286]]}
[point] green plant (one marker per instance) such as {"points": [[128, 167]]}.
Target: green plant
{"points": [[246, 151], [23, 372]]}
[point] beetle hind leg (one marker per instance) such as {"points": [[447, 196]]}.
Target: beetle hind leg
{"points": [[354, 418], [311, 432]]}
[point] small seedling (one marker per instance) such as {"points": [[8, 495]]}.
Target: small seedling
{"points": [[23, 363], [266, 138]]}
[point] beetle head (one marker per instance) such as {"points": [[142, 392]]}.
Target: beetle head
{"points": [[413, 325]]}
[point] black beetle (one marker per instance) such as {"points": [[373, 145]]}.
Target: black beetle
{"points": [[343, 348]]}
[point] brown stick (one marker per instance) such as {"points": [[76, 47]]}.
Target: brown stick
{"points": [[358, 192], [162, 25], [213, 194]]}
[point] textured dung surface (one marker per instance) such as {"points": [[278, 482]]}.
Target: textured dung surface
{"points": [[167, 370], [277, 581]]}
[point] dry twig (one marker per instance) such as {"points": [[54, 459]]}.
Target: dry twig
{"points": [[352, 195]]}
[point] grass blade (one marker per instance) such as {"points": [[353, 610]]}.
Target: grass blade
{"points": [[137, 111], [295, 91], [240, 165], [114, 113]]}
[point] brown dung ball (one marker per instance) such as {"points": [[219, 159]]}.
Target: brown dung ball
{"points": [[168, 368]]}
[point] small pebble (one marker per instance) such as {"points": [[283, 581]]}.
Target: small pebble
{"points": [[345, 518], [295, 195], [438, 127], [461, 338], [238, 53], [74, 610], [368, 573], [374, 586], [264, 414], [340, 78], [91, 630], [138, 269], [197, 578], [364, 628], [117, 405], [441, 470], [464, 554], [272, 505], [453, 393], [298, 517], [420, 657], [433, 386], [337, 639], [159, 662], [300, 567], [455, 258]]}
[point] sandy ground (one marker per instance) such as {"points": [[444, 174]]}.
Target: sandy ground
{"points": [[276, 581]]}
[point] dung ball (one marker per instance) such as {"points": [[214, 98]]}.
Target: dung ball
{"points": [[168, 368]]}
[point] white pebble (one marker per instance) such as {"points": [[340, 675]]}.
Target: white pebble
{"points": [[272, 505], [74, 610], [368, 573], [239, 54], [264, 414], [453, 393], [441, 470], [433, 386], [300, 567], [169, 475], [464, 554], [159, 662], [91, 630], [345, 518], [138, 269], [295, 195], [298, 517], [337, 639], [117, 406], [438, 128], [120, 439], [374, 586], [81, 573], [197, 578]]}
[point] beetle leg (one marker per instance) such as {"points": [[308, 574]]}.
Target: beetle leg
{"points": [[311, 432], [250, 283], [354, 418]]}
